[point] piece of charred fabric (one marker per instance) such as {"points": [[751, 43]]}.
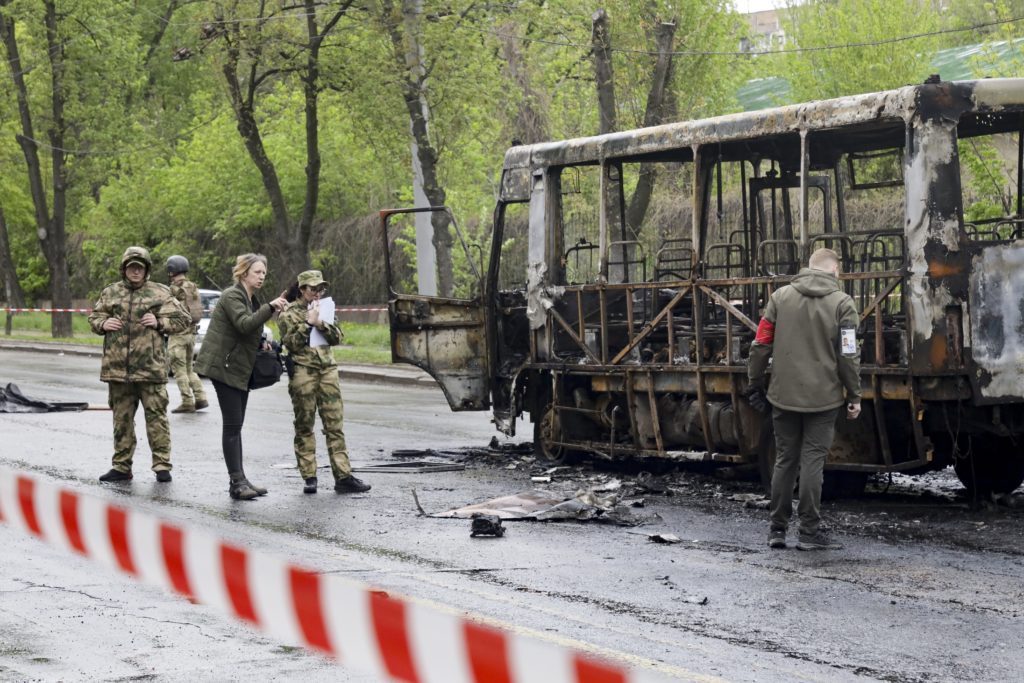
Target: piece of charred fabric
{"points": [[13, 401], [135, 353]]}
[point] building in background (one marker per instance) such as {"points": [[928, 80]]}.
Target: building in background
{"points": [[765, 31]]}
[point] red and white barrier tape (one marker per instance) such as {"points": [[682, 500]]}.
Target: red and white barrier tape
{"points": [[7, 309], [362, 628], [47, 310]]}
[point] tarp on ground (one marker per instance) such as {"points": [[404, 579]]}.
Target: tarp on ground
{"points": [[13, 401], [545, 506]]}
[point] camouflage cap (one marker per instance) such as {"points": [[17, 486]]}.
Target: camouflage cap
{"points": [[311, 278], [138, 255]]}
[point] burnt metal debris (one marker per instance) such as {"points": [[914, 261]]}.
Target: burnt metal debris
{"points": [[12, 400], [486, 525], [628, 341]]}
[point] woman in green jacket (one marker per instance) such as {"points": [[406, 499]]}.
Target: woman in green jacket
{"points": [[228, 355]]}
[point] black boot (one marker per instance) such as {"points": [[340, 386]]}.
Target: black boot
{"points": [[240, 488], [351, 485], [310, 486], [116, 475]]}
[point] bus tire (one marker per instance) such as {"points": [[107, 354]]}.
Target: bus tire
{"points": [[546, 431], [993, 465]]}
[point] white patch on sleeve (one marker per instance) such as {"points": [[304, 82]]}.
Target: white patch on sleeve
{"points": [[848, 341]]}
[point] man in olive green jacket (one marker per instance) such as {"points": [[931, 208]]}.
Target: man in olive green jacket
{"points": [[809, 331], [133, 316]]}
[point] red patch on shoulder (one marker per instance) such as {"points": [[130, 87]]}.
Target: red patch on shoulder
{"points": [[765, 333]]}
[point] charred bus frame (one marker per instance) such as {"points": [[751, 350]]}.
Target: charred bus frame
{"points": [[631, 363]]}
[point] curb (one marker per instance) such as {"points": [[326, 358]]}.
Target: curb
{"points": [[402, 375], [51, 347]]}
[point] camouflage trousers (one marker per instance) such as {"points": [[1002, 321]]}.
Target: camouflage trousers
{"points": [[180, 348], [312, 390], [124, 399]]}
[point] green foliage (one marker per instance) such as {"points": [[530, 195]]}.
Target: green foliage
{"points": [[987, 192], [880, 66], [156, 157], [1002, 55]]}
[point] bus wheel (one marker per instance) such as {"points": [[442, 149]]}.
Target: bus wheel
{"points": [[993, 465], [839, 484], [546, 431]]}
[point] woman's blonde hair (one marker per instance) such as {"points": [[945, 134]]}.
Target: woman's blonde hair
{"points": [[244, 262]]}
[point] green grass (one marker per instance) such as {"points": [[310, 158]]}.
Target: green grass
{"points": [[363, 343], [36, 327]]}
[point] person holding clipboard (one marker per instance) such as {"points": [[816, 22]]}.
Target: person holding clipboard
{"points": [[308, 332]]}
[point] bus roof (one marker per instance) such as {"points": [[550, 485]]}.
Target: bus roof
{"points": [[883, 108]]}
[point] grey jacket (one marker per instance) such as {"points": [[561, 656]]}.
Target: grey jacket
{"points": [[808, 329]]}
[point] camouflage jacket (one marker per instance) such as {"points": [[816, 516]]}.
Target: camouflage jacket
{"points": [[187, 293], [295, 337], [136, 353]]}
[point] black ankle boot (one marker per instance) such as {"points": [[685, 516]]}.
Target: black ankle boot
{"points": [[240, 489]]}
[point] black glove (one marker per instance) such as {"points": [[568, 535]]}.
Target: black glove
{"points": [[757, 399]]}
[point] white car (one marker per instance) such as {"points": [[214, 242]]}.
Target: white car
{"points": [[209, 298]]}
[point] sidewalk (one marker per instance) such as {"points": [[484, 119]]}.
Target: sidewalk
{"points": [[358, 372]]}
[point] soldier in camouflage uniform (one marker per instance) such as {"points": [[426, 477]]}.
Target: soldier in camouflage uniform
{"points": [[314, 384], [181, 346], [133, 316]]}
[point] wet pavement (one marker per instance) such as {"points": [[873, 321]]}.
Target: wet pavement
{"points": [[929, 585]]}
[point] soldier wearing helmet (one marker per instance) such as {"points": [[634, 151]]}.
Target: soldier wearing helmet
{"points": [[133, 315], [181, 346]]}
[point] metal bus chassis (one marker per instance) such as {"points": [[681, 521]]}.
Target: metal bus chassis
{"points": [[657, 368]]}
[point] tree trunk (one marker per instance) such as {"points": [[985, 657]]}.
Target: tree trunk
{"points": [[292, 240], [49, 229], [408, 53], [310, 91], [243, 104], [601, 45], [13, 295], [530, 124], [653, 115], [55, 242], [154, 46]]}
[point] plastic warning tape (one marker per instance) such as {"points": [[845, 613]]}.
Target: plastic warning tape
{"points": [[47, 310], [7, 309], [366, 629]]}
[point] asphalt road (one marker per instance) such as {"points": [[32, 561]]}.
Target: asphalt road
{"points": [[925, 589]]}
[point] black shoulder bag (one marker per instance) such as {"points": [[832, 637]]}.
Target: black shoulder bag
{"points": [[267, 370]]}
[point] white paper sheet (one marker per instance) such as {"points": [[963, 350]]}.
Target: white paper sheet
{"points": [[326, 305]]}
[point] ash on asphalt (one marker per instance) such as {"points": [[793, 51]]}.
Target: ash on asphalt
{"points": [[895, 508]]}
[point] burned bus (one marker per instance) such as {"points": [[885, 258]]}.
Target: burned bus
{"points": [[627, 273]]}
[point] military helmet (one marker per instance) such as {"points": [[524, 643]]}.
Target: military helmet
{"points": [[138, 255], [177, 264]]}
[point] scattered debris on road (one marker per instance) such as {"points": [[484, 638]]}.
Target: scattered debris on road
{"points": [[663, 538], [412, 467], [12, 400], [486, 525], [585, 505]]}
